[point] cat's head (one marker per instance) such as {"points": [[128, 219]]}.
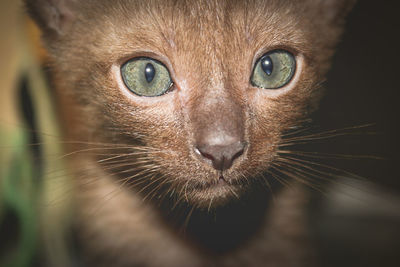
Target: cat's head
{"points": [[196, 94]]}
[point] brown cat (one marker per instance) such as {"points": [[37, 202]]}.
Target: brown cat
{"points": [[179, 108]]}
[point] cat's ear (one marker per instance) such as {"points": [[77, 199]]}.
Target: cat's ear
{"points": [[52, 16], [335, 10]]}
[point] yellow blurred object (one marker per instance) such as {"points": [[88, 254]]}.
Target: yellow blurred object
{"points": [[34, 35], [10, 58], [21, 57]]}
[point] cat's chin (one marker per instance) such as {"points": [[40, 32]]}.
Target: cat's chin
{"points": [[214, 194]]}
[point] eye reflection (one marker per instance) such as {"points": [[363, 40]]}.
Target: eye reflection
{"points": [[149, 72], [267, 66]]}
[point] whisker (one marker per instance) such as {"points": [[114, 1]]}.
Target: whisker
{"points": [[279, 179], [113, 193], [317, 174], [327, 167], [210, 203], [302, 179], [121, 156], [234, 193], [96, 148], [265, 179], [144, 171], [70, 142], [299, 170], [186, 222], [332, 133], [312, 171], [328, 155], [154, 190], [185, 190], [299, 129], [150, 184]]}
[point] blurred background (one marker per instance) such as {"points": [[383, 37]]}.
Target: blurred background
{"points": [[355, 221], [33, 180], [358, 222], [18, 176]]}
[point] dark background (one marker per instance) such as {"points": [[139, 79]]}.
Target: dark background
{"points": [[362, 88]]}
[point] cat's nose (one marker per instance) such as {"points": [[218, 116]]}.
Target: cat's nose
{"points": [[221, 155]]}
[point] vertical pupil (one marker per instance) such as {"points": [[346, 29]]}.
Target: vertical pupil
{"points": [[149, 72], [266, 65]]}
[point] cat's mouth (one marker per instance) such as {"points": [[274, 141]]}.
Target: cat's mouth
{"points": [[217, 191], [219, 182]]}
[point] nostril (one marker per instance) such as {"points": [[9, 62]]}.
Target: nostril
{"points": [[203, 153], [221, 156], [240, 150]]}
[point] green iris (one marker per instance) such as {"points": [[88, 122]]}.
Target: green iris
{"points": [[273, 70], [146, 77]]}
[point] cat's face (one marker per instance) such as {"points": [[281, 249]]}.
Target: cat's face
{"points": [[201, 91]]}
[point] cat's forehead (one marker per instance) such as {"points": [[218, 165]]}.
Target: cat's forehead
{"points": [[203, 26], [216, 17]]}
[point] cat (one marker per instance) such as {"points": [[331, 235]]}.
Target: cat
{"points": [[175, 112]]}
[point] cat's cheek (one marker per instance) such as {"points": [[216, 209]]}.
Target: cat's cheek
{"points": [[156, 119], [273, 111], [285, 107]]}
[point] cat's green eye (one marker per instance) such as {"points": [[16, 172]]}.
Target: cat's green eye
{"points": [[273, 70], [146, 77]]}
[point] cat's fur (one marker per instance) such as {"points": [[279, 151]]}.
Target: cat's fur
{"points": [[210, 48]]}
